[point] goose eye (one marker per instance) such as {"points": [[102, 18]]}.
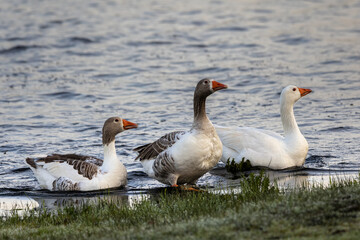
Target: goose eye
{"points": [[116, 120], [294, 89]]}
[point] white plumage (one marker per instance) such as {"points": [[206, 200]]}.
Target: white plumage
{"points": [[265, 148], [183, 157], [71, 172]]}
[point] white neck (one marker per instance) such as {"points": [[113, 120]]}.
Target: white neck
{"points": [[288, 119], [297, 145], [110, 158]]}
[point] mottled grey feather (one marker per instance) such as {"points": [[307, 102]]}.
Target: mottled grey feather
{"points": [[65, 184], [152, 150], [164, 165]]}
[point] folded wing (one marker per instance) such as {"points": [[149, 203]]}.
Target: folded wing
{"points": [[152, 150], [72, 166]]}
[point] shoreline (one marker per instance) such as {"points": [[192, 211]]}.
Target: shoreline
{"points": [[260, 210]]}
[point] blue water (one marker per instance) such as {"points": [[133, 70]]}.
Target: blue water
{"points": [[66, 66]]}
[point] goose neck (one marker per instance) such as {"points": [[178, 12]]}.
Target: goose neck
{"points": [[288, 118], [201, 120], [110, 157]]}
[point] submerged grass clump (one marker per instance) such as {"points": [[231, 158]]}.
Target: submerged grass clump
{"points": [[260, 210], [235, 168]]}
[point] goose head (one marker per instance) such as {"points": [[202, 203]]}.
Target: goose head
{"points": [[207, 86], [114, 126], [292, 93]]}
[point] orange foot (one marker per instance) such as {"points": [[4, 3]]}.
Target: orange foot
{"points": [[190, 189], [193, 189], [187, 188]]}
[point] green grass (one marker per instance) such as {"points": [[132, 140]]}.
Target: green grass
{"points": [[260, 211]]}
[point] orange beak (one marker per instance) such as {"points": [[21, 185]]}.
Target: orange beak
{"points": [[217, 86], [128, 125], [304, 91]]}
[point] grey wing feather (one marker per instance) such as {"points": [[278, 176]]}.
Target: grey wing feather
{"points": [[152, 150], [67, 157], [86, 169]]}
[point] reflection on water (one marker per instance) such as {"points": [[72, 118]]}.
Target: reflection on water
{"points": [[67, 66], [55, 200], [64, 201], [19, 205], [310, 178], [286, 179]]}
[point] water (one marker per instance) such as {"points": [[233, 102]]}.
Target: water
{"points": [[66, 66]]}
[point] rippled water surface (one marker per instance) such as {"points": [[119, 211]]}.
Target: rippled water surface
{"points": [[66, 66]]}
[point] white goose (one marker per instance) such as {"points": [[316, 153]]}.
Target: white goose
{"points": [[183, 157], [71, 172], [265, 148]]}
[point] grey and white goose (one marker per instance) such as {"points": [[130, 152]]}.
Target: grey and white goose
{"points": [[71, 172], [184, 156]]}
